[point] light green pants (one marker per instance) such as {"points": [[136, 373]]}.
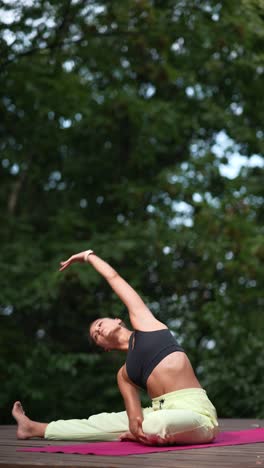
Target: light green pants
{"points": [[185, 417]]}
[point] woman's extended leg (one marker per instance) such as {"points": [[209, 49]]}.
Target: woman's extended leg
{"points": [[100, 427], [27, 428]]}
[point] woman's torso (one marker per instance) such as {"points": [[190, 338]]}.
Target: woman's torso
{"points": [[173, 373], [169, 373]]}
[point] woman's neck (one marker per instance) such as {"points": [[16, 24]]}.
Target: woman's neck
{"points": [[123, 339]]}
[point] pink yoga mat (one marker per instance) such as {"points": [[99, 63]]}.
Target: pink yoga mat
{"points": [[250, 436]]}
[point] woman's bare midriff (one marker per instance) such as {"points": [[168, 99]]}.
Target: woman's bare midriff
{"points": [[173, 373]]}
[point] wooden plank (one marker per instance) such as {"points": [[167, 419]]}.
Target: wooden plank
{"points": [[239, 456]]}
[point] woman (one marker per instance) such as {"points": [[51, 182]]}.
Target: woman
{"points": [[181, 411]]}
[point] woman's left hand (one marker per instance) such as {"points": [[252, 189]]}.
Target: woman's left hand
{"points": [[77, 258]]}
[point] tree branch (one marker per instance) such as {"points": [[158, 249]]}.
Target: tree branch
{"points": [[17, 187], [57, 44]]}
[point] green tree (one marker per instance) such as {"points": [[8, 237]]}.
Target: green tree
{"points": [[109, 121]]}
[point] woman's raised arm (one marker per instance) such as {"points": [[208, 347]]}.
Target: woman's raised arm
{"points": [[141, 317]]}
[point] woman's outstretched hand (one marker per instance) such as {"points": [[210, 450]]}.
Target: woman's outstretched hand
{"points": [[77, 258]]}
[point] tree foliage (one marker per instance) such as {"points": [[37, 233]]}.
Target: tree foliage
{"points": [[111, 115]]}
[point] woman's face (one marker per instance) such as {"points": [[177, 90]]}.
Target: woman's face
{"points": [[104, 330]]}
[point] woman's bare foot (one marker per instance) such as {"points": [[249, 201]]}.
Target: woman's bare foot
{"points": [[25, 428]]}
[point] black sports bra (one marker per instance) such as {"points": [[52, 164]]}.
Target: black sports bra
{"points": [[146, 350]]}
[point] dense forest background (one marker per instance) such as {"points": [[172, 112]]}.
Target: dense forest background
{"points": [[118, 123]]}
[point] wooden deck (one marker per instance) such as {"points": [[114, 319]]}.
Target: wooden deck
{"points": [[239, 456]]}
